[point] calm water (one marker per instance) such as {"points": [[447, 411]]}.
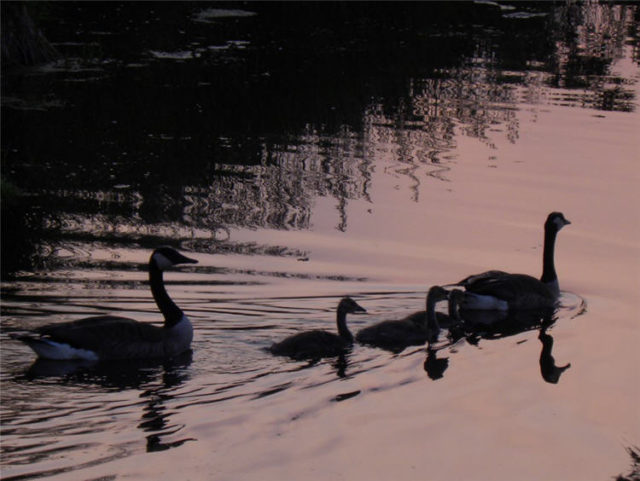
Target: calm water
{"points": [[302, 153]]}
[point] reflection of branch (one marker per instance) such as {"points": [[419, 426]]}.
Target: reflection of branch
{"points": [[634, 474], [437, 173], [342, 211], [415, 188]]}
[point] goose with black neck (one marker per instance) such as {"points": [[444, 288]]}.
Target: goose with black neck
{"points": [[103, 338], [499, 290]]}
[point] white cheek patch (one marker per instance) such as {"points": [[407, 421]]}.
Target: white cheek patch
{"points": [[161, 261]]}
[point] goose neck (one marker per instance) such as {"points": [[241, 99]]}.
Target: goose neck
{"points": [[171, 312], [549, 275]]}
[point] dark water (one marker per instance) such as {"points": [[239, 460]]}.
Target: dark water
{"points": [[303, 152]]}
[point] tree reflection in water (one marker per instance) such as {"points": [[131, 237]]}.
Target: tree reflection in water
{"points": [[634, 473], [211, 141]]}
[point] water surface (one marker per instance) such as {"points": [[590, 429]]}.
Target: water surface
{"points": [[301, 154]]}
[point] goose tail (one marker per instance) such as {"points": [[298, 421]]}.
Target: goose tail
{"points": [[49, 349]]}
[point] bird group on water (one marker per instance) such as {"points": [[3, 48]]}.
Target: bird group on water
{"points": [[503, 295]]}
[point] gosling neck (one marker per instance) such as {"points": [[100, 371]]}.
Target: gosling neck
{"points": [[432, 321], [454, 306], [343, 330], [172, 313], [549, 276]]}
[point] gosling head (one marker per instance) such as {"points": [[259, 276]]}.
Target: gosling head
{"points": [[556, 221], [437, 293], [349, 306], [166, 257]]}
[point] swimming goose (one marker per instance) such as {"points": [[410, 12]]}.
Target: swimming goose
{"points": [[413, 330], [498, 290], [109, 337], [318, 343]]}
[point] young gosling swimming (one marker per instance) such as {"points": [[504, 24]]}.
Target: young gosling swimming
{"points": [[413, 330], [319, 343]]}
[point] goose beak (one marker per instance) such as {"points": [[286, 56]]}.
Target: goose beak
{"points": [[186, 260]]}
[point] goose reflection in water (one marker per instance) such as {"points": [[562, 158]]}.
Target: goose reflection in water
{"points": [[340, 363], [157, 379], [550, 372], [435, 366], [473, 325]]}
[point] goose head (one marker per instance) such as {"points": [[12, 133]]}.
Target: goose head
{"points": [[556, 221], [349, 306], [166, 257]]}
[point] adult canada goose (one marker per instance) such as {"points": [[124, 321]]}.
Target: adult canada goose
{"points": [[110, 337], [318, 343], [413, 330], [498, 290]]}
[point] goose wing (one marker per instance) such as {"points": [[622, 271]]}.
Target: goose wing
{"points": [[98, 333], [483, 276], [509, 287]]}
